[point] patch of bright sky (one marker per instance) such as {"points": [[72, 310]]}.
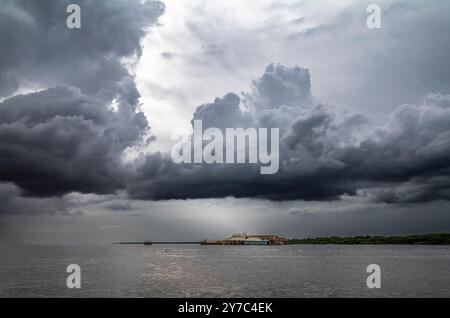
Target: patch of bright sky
{"points": [[205, 49]]}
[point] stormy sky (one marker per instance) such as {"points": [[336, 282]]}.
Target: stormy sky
{"points": [[86, 117]]}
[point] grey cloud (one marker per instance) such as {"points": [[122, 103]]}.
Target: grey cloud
{"points": [[412, 147], [60, 140], [223, 113], [167, 55], [298, 211], [70, 136], [120, 205], [13, 202], [42, 49], [324, 154], [338, 208], [404, 6], [281, 86]]}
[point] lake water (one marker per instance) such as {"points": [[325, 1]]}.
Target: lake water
{"points": [[225, 271]]}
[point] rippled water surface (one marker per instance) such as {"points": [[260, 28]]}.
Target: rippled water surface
{"points": [[225, 271]]}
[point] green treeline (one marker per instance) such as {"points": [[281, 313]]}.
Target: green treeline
{"points": [[425, 239]]}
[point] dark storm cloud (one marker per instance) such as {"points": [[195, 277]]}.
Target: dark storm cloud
{"points": [[323, 154], [60, 140], [71, 135], [38, 47]]}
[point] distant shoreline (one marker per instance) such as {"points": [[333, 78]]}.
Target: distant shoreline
{"points": [[423, 239]]}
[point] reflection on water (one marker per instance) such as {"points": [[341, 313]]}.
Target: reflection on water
{"points": [[225, 271]]}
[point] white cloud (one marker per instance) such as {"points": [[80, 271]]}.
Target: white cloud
{"points": [[220, 46]]}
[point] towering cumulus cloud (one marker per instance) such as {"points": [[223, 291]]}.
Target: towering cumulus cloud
{"points": [[323, 154], [70, 133]]}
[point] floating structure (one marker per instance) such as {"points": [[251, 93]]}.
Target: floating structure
{"points": [[244, 239]]}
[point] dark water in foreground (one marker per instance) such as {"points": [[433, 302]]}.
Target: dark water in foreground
{"points": [[225, 271]]}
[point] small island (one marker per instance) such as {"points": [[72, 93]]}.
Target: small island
{"points": [[265, 240], [424, 239]]}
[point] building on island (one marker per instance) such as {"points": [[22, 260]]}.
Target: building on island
{"points": [[244, 239]]}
